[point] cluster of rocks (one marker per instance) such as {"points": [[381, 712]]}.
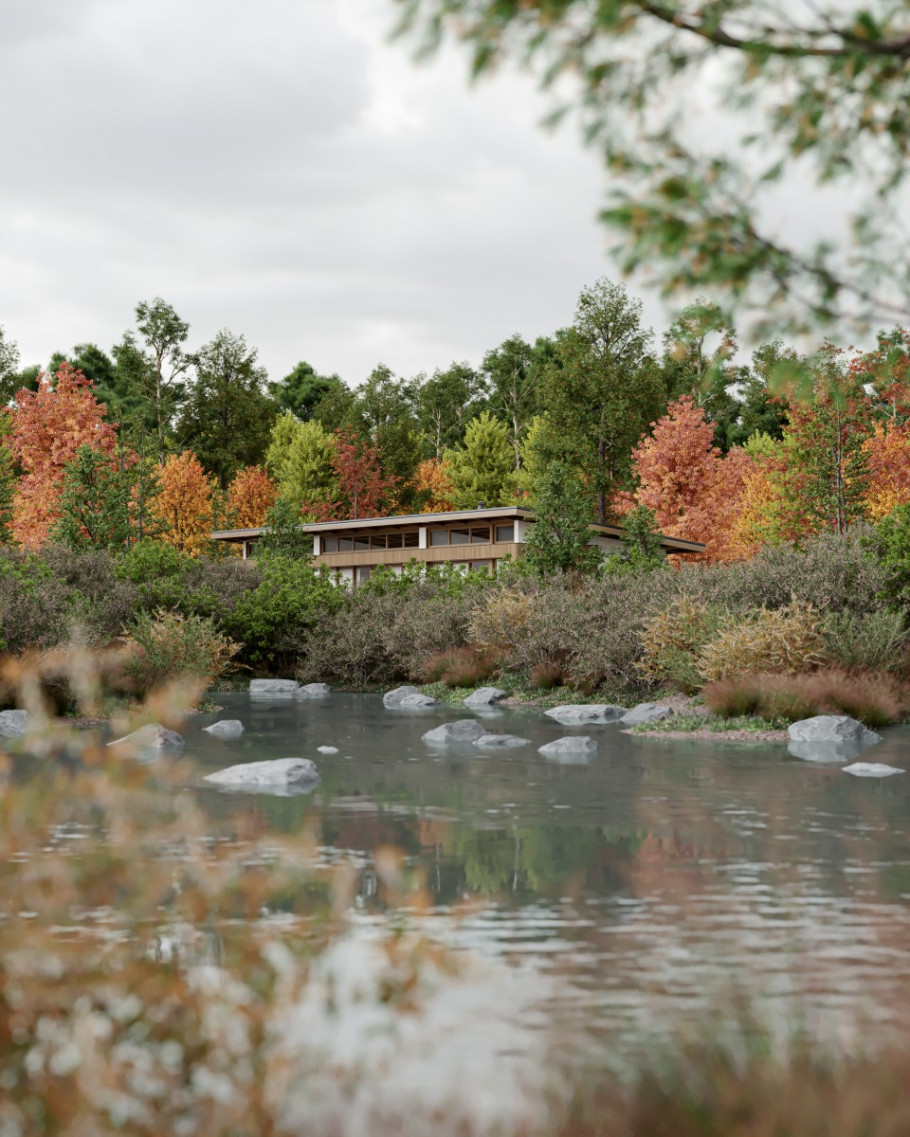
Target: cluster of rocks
{"points": [[837, 738], [287, 689]]}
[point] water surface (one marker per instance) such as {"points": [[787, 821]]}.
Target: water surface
{"points": [[645, 886]]}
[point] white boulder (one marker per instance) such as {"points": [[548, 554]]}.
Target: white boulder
{"points": [[273, 688], [463, 730], [872, 770], [13, 724], [832, 728], [327, 749], [407, 698], [582, 714], [571, 748], [484, 696], [313, 691], [276, 773], [500, 741], [225, 728], [151, 738], [645, 713]]}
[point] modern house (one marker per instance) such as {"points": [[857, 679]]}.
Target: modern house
{"points": [[474, 538]]}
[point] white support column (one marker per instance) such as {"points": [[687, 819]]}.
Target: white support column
{"points": [[422, 537], [519, 529], [245, 546], [316, 544]]}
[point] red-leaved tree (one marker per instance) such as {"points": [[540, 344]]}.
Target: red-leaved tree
{"points": [[363, 489], [694, 491], [48, 427]]}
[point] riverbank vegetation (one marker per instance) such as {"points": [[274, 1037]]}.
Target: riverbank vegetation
{"points": [[793, 470]]}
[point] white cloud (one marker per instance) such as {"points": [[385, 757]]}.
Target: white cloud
{"points": [[284, 171]]}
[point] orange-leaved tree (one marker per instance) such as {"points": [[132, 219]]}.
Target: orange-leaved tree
{"points": [[888, 451], [250, 496], [693, 490], [48, 427], [432, 486], [184, 503]]}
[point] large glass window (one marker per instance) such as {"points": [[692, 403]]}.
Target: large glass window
{"points": [[377, 542], [345, 544], [459, 536], [395, 540], [505, 532], [330, 544], [361, 544], [439, 537], [363, 574], [480, 536], [412, 540], [480, 566]]}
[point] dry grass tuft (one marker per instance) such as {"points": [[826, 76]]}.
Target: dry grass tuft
{"points": [[875, 698], [460, 667]]}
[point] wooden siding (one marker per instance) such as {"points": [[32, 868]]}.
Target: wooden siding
{"points": [[488, 551]]}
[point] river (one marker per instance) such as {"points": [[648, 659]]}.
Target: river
{"points": [[641, 890]]}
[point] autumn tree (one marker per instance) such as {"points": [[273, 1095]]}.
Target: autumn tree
{"points": [[888, 453], [184, 504], [483, 469], [250, 496], [693, 491], [433, 487], [363, 489], [48, 427]]}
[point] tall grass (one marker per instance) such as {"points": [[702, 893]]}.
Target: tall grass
{"points": [[876, 699]]}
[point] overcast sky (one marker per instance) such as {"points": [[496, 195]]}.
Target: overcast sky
{"points": [[282, 170]]}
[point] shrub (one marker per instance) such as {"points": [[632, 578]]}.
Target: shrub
{"points": [[673, 639], [164, 646], [273, 620], [872, 641], [783, 642], [459, 667], [499, 621], [547, 675], [157, 570], [874, 698]]}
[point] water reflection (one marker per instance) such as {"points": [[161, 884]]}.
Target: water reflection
{"points": [[647, 880]]}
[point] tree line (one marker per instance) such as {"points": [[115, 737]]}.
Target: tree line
{"points": [[597, 419]]}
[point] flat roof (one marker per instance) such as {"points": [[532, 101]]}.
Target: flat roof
{"points": [[505, 512]]}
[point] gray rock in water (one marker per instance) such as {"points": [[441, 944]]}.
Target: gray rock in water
{"points": [[832, 728], [150, 738], [225, 728], [276, 775], [581, 714], [464, 730], [313, 691], [645, 713], [483, 696], [407, 699], [500, 741], [872, 770], [574, 748], [13, 724], [327, 749], [271, 688]]}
